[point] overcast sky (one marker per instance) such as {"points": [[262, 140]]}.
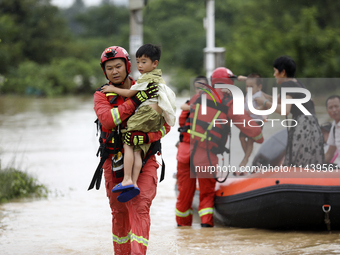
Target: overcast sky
{"points": [[68, 3]]}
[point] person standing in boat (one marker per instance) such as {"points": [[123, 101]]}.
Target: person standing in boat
{"points": [[333, 109], [207, 140], [305, 140]]}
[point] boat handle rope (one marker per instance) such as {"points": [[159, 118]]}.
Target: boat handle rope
{"points": [[327, 220], [324, 208]]}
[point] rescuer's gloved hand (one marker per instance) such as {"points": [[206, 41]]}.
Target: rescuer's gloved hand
{"points": [[136, 138], [143, 95]]}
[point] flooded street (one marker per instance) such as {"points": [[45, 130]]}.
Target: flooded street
{"points": [[55, 140]]}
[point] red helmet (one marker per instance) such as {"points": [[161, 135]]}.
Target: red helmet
{"points": [[115, 52], [222, 75]]}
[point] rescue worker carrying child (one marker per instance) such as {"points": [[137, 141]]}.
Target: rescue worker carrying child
{"points": [[131, 220], [206, 141]]}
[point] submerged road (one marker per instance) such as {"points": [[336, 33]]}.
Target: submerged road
{"points": [[54, 139]]}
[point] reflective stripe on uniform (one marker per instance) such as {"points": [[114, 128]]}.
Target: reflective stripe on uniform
{"points": [[116, 116], [184, 214], [121, 240], [205, 211], [194, 133], [163, 130], [212, 121], [139, 239], [194, 120], [257, 137], [111, 94]]}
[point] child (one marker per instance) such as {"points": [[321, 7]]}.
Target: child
{"points": [[149, 117], [253, 81]]}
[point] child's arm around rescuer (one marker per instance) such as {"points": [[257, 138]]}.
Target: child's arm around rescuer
{"points": [[149, 117], [126, 93]]}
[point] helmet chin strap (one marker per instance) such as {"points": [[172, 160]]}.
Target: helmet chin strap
{"points": [[127, 75]]}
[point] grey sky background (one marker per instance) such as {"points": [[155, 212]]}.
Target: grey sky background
{"points": [[68, 3]]}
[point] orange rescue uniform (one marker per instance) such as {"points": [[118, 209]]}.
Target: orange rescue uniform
{"points": [[130, 220], [187, 185]]}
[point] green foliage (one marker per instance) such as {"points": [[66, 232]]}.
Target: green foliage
{"points": [[253, 33], [104, 21], [91, 48], [181, 79], [181, 36], [18, 184], [40, 55], [70, 14], [264, 30], [28, 77], [31, 30], [66, 76], [9, 50]]}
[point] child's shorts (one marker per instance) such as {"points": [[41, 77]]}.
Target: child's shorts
{"points": [[145, 119]]}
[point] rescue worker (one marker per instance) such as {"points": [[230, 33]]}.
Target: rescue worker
{"points": [[131, 220], [205, 142], [184, 218]]}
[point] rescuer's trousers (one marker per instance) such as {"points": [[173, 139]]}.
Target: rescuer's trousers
{"points": [[131, 220], [187, 188]]}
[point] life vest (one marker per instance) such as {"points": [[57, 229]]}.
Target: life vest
{"points": [[184, 136], [114, 144], [110, 144], [201, 127]]}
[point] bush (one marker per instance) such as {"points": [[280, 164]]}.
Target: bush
{"points": [[66, 76], [17, 184], [80, 76]]}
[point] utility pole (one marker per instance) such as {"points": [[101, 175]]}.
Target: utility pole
{"points": [[136, 32], [214, 57]]}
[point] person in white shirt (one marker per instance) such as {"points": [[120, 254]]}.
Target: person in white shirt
{"points": [[333, 109], [326, 129], [253, 81]]}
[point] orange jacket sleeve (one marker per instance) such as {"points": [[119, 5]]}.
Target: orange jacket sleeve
{"points": [[155, 136], [241, 121], [111, 117], [182, 118]]}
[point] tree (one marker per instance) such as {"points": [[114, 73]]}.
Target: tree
{"points": [[181, 36], [70, 14], [105, 2], [10, 47], [31, 30], [104, 20], [264, 30]]}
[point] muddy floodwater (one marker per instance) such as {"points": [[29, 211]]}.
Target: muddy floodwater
{"points": [[55, 140]]}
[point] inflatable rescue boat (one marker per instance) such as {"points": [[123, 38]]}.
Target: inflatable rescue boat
{"points": [[281, 197]]}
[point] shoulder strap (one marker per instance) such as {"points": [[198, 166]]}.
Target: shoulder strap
{"points": [[104, 154], [100, 88], [97, 177], [156, 147]]}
